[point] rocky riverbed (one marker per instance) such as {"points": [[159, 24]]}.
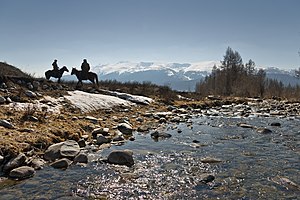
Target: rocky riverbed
{"points": [[59, 134]]}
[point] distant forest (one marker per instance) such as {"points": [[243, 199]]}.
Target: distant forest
{"points": [[234, 78]]}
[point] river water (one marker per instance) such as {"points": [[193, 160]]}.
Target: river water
{"points": [[245, 164]]}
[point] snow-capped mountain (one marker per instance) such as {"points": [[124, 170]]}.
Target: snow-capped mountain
{"points": [[287, 77], [178, 76]]}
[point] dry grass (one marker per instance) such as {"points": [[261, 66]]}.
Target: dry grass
{"points": [[29, 135]]}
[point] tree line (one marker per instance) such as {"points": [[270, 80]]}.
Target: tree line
{"points": [[234, 78]]}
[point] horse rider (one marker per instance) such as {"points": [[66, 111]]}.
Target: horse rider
{"points": [[55, 66], [85, 67]]}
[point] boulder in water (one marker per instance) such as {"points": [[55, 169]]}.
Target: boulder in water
{"points": [[22, 172], [121, 157]]}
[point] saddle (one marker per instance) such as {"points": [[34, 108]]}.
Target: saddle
{"points": [[84, 75]]}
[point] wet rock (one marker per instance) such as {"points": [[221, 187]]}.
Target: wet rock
{"points": [[102, 139], [61, 163], [125, 128], [206, 178], [30, 94], [81, 158], [6, 124], [120, 157], [156, 135], [275, 124], [210, 160], [14, 162], [264, 130], [245, 125], [22, 172], [287, 183]]}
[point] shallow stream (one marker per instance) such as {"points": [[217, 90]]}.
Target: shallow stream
{"points": [[245, 164]]}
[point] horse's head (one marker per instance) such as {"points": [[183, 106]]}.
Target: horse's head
{"points": [[74, 70], [64, 68]]}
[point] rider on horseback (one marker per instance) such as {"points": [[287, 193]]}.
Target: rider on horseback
{"points": [[55, 66], [85, 67]]}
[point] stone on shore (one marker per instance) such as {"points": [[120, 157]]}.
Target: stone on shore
{"points": [[14, 163], [81, 143], [102, 139], [102, 131], [6, 123], [68, 149], [53, 152], [125, 128], [2, 100], [121, 157], [30, 94], [22, 172], [37, 163]]}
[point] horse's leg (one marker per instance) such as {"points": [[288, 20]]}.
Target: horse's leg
{"points": [[58, 80], [97, 82]]}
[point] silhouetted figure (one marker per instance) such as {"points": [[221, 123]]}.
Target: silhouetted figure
{"points": [[56, 74], [55, 66], [91, 76], [85, 67]]}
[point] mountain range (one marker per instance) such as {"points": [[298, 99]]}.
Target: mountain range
{"points": [[178, 76]]}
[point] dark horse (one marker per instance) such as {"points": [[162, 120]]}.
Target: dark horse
{"points": [[56, 74], [91, 76]]}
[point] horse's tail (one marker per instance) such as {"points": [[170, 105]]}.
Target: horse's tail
{"points": [[47, 74]]}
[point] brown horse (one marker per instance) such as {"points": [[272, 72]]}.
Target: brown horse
{"points": [[91, 76], [56, 74]]}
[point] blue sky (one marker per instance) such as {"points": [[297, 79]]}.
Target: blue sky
{"points": [[34, 32]]}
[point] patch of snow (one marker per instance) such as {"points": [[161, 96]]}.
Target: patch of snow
{"points": [[132, 98], [47, 104], [89, 102], [83, 100]]}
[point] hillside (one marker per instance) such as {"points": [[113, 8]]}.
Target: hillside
{"points": [[9, 70]]}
